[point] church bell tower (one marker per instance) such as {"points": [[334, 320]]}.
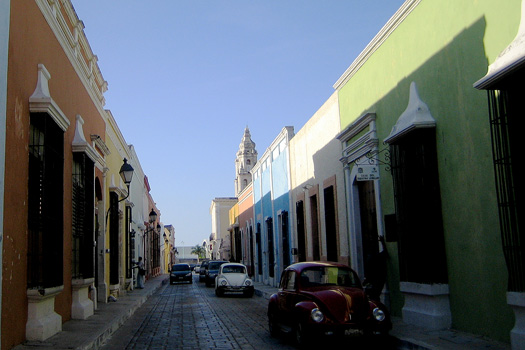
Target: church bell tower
{"points": [[244, 162]]}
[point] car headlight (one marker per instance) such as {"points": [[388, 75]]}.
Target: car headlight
{"points": [[189, 274], [379, 314], [317, 315], [223, 283], [248, 283]]}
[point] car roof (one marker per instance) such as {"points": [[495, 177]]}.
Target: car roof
{"points": [[304, 265], [233, 264]]}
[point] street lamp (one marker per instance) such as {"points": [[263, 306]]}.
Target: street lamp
{"points": [[152, 216], [126, 173]]}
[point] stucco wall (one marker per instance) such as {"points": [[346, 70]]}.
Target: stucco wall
{"points": [[315, 154], [445, 46], [32, 42]]}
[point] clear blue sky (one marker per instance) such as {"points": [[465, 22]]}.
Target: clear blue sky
{"points": [[186, 77]]}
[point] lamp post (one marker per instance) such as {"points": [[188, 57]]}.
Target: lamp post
{"points": [[147, 257], [126, 173]]}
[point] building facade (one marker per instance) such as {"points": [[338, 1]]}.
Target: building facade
{"points": [[220, 242], [272, 215], [246, 228], [66, 242], [318, 189], [417, 149]]}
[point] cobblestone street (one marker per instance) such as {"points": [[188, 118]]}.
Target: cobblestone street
{"points": [[190, 316]]}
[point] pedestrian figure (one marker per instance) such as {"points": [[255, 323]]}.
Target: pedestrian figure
{"points": [[375, 278], [141, 272]]}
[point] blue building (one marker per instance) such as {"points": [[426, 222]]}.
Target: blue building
{"points": [[271, 196]]}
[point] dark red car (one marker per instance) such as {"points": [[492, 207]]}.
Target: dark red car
{"points": [[320, 298]]}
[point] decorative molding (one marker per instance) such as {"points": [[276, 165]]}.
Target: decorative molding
{"points": [[405, 9], [80, 143], [416, 115], [69, 31], [364, 144], [100, 144], [510, 59], [117, 188], [42, 102], [356, 127]]}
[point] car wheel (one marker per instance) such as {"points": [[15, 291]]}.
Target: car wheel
{"points": [[219, 292], [301, 336], [272, 326], [248, 294]]}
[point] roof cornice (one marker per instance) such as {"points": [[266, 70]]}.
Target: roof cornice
{"points": [[405, 9]]}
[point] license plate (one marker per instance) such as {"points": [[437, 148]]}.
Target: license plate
{"points": [[353, 332]]}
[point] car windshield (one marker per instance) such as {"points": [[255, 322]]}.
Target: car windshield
{"points": [[234, 269], [328, 276], [215, 265], [181, 268]]}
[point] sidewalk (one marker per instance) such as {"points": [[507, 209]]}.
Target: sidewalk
{"points": [[91, 333], [413, 337]]}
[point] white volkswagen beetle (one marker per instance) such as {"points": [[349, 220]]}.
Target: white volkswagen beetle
{"points": [[232, 278]]}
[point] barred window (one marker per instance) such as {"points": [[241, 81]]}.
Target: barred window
{"points": [[301, 241], [330, 218], [418, 208], [82, 216], [507, 111], [114, 223], [271, 252], [259, 249], [283, 219], [45, 203]]}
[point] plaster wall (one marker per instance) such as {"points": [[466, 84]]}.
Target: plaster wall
{"points": [[32, 42], [444, 55], [315, 153]]}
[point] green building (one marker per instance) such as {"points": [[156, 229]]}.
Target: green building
{"points": [[413, 107]]}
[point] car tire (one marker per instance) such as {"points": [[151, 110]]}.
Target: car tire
{"points": [[248, 294], [272, 326], [301, 336], [219, 292]]}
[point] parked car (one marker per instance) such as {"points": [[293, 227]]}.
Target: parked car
{"points": [[232, 278], [181, 273], [197, 268], [318, 298], [212, 271], [202, 270]]}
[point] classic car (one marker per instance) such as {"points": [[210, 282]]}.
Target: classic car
{"points": [[181, 273], [232, 278], [212, 271], [327, 299]]}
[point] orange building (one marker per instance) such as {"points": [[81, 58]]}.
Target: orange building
{"points": [[246, 229], [55, 130]]}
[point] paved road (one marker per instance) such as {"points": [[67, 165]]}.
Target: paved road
{"points": [[190, 316]]}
